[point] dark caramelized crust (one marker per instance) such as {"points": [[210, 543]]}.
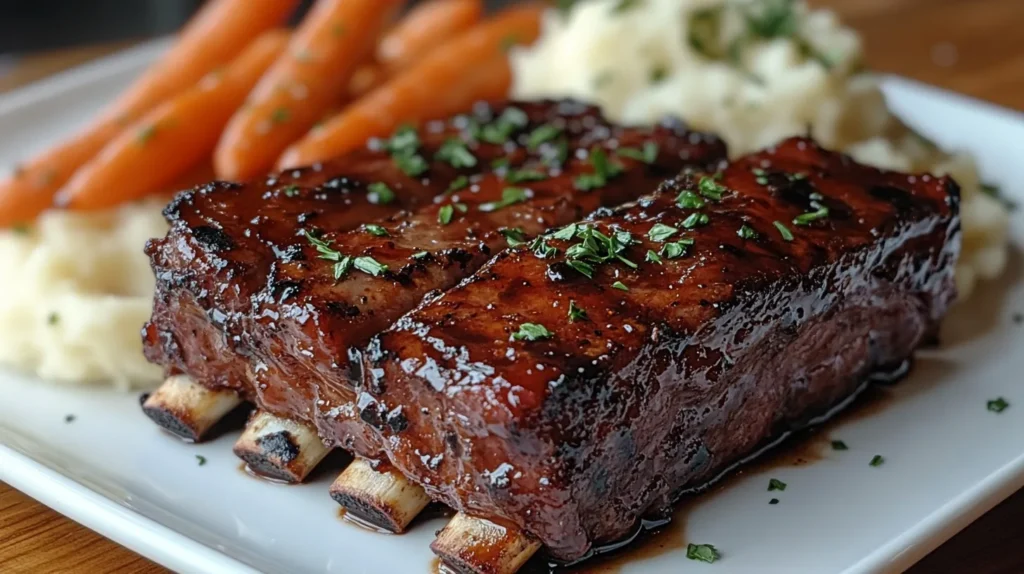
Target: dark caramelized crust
{"points": [[681, 366], [277, 302]]}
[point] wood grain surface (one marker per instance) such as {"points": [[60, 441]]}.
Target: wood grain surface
{"points": [[974, 47]]}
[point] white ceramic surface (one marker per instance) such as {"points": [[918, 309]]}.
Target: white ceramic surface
{"points": [[948, 459]]}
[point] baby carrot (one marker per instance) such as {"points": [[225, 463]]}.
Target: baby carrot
{"points": [[470, 67], [173, 138], [424, 28], [310, 77]]}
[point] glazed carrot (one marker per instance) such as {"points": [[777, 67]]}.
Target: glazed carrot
{"points": [[470, 67], [212, 38], [173, 138], [424, 28], [310, 77]]}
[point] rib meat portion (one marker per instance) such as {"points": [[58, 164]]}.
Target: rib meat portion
{"points": [[572, 406], [284, 303]]}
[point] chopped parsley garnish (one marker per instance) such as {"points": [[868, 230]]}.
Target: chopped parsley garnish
{"points": [[773, 501], [514, 236], [787, 235], [532, 332], [576, 313], [808, 218], [555, 154], [420, 254], [603, 171], [624, 5], [403, 146], [689, 200], [509, 196], [291, 191], [280, 115], [675, 249], [660, 232], [524, 175], [370, 266], [541, 134], [200, 459], [648, 154], [775, 19], [746, 232], [594, 248], [411, 164], [653, 257], [379, 193], [704, 32], [461, 182], [500, 163], [445, 214], [603, 79], [703, 552], [620, 286], [376, 230], [696, 220], [566, 233], [657, 74], [21, 229], [455, 152], [877, 460], [998, 405], [145, 134], [710, 188], [541, 249], [68, 419], [839, 445], [342, 267], [776, 484], [52, 318], [508, 42], [499, 131]]}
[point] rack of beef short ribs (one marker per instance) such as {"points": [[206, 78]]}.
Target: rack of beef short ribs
{"points": [[267, 292], [560, 393]]}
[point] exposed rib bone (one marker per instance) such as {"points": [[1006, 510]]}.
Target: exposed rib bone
{"points": [[383, 498], [469, 545], [280, 449], [186, 409]]}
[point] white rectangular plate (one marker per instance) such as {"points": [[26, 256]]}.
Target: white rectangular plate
{"points": [[948, 459]]}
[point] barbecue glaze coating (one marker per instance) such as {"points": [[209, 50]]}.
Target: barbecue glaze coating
{"points": [[662, 386], [263, 311]]}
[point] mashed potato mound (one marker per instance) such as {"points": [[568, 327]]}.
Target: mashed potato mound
{"points": [[75, 293], [753, 73]]}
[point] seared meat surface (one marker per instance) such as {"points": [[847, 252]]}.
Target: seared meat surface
{"points": [[574, 385], [278, 305]]}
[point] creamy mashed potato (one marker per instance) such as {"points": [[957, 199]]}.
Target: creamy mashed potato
{"points": [[753, 72], [75, 292]]}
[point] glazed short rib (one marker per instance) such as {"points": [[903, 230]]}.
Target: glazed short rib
{"points": [[268, 289], [576, 384]]}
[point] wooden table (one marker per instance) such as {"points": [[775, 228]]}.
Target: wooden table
{"points": [[971, 46]]}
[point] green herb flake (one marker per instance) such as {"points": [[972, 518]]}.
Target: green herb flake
{"points": [[582, 267], [620, 286], [69, 418], [200, 459], [459, 183], [787, 235], [342, 267], [413, 165], [603, 171], [509, 196], [323, 248], [280, 115], [773, 501], [500, 130], [625, 5], [376, 230], [145, 134], [660, 232], [710, 188], [774, 19], [21, 229], [514, 236], [998, 405], [532, 332], [566, 233], [525, 175], [52, 319], [648, 154], [653, 257], [689, 200], [776, 484], [370, 266], [379, 193], [603, 79], [808, 218], [445, 214], [657, 74], [839, 445], [576, 313], [675, 249], [509, 41], [702, 552], [746, 232], [420, 254], [455, 152], [877, 460], [291, 191], [696, 220], [542, 134]]}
